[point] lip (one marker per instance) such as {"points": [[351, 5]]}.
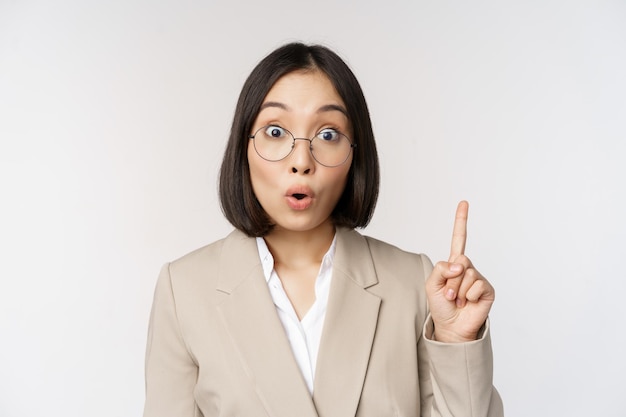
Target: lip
{"points": [[299, 203]]}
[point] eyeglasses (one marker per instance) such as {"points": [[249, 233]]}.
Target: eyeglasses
{"points": [[329, 147]]}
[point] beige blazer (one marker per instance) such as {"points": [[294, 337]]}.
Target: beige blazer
{"points": [[216, 346]]}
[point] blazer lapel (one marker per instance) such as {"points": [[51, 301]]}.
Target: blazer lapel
{"points": [[249, 314], [349, 328]]}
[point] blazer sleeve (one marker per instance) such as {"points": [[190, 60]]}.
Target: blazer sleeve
{"points": [[171, 371], [456, 379]]}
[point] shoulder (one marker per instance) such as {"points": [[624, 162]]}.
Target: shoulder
{"points": [[213, 250], [204, 264], [387, 259], [384, 253]]}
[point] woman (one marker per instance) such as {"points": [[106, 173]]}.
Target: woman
{"points": [[295, 314]]}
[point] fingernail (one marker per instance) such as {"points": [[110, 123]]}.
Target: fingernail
{"points": [[459, 303], [456, 268], [450, 294]]}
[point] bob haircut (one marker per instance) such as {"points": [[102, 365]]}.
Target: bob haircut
{"points": [[356, 205]]}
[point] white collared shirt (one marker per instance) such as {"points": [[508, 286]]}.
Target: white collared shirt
{"points": [[304, 336]]}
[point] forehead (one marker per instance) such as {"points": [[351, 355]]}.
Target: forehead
{"points": [[304, 89]]}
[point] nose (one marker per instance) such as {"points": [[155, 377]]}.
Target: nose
{"points": [[301, 157]]}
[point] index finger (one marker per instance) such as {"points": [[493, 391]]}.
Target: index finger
{"points": [[459, 232]]}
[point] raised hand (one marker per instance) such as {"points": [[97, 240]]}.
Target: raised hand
{"points": [[458, 295]]}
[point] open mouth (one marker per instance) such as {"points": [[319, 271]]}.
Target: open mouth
{"points": [[299, 198]]}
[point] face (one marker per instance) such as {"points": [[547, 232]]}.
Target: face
{"points": [[297, 192]]}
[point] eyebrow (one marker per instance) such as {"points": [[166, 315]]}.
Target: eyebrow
{"points": [[324, 108], [333, 107], [273, 104]]}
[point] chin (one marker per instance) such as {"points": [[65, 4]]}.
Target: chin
{"points": [[301, 226]]}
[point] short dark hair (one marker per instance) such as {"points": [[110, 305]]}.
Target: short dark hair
{"points": [[356, 205]]}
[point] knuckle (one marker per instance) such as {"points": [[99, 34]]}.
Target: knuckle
{"points": [[480, 285], [472, 274], [463, 259]]}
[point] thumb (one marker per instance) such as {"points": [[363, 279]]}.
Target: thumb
{"points": [[442, 273]]}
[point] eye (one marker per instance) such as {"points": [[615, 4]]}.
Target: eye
{"points": [[275, 132], [328, 135]]}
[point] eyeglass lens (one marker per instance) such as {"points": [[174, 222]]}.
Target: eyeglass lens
{"points": [[329, 147]]}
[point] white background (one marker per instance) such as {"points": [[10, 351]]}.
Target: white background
{"points": [[113, 119]]}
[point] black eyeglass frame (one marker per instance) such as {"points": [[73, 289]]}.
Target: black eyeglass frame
{"points": [[293, 145]]}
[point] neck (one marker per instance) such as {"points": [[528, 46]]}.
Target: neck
{"points": [[294, 248]]}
